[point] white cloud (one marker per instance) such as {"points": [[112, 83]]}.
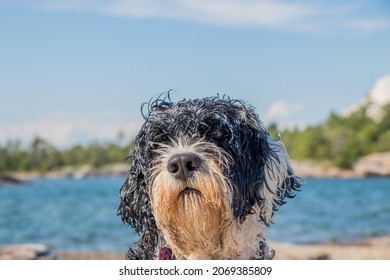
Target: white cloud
{"points": [[282, 110], [234, 12], [282, 113], [222, 12], [301, 15], [64, 131], [379, 95], [369, 24], [350, 109]]}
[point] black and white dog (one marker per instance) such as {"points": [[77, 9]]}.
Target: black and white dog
{"points": [[205, 180]]}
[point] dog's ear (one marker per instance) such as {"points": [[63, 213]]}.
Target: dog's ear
{"points": [[279, 180], [135, 209]]}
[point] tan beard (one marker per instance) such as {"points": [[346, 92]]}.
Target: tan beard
{"points": [[192, 215]]}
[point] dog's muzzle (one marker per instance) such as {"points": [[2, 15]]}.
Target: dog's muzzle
{"points": [[183, 166]]}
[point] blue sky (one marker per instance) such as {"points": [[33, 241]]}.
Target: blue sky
{"points": [[77, 71]]}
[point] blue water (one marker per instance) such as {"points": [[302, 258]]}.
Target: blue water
{"points": [[335, 210], [66, 215], [80, 215]]}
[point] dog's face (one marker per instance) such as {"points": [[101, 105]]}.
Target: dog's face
{"points": [[200, 168]]}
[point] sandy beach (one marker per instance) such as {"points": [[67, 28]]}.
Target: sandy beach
{"points": [[370, 249]]}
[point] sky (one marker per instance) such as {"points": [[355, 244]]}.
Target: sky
{"points": [[76, 71]]}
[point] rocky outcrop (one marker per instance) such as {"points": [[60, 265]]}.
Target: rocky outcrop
{"points": [[26, 252], [377, 164], [8, 180], [84, 171], [312, 169], [77, 172], [373, 165]]}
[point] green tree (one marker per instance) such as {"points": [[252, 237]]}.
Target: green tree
{"points": [[43, 155]]}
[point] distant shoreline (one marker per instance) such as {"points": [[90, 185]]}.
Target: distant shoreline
{"points": [[72, 172], [304, 169]]}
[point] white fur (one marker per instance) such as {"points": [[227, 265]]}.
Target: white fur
{"points": [[276, 172]]}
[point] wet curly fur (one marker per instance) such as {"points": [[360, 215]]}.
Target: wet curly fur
{"points": [[235, 177]]}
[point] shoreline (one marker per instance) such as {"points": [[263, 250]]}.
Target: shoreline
{"points": [[304, 170], [13, 178], [376, 248], [373, 165]]}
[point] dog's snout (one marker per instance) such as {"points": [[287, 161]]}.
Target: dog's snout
{"points": [[183, 166]]}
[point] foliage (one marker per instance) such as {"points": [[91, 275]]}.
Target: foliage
{"points": [[340, 140], [41, 156]]}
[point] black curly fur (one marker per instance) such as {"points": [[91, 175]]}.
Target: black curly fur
{"points": [[244, 138]]}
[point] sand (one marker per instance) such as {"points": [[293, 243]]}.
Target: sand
{"points": [[370, 249]]}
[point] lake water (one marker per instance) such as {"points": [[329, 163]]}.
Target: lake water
{"points": [[80, 215]]}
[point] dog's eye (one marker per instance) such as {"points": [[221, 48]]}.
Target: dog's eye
{"points": [[220, 134]]}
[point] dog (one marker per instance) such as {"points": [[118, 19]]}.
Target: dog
{"points": [[205, 180]]}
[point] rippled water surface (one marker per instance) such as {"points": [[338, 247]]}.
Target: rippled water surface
{"points": [[80, 215]]}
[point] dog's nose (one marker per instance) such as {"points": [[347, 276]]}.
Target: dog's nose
{"points": [[183, 166]]}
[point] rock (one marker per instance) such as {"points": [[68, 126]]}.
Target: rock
{"points": [[26, 252], [86, 171], [76, 172], [312, 169], [82, 172], [377, 164], [8, 180], [112, 170]]}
